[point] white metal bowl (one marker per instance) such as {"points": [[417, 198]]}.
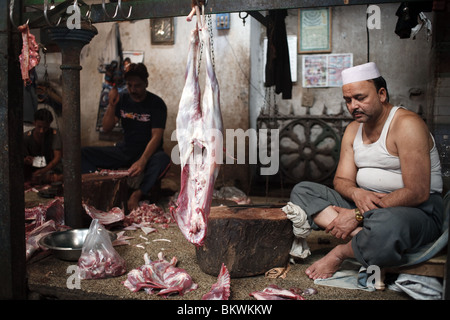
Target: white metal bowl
{"points": [[67, 245]]}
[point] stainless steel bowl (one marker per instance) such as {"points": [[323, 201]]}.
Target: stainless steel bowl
{"points": [[67, 245]]}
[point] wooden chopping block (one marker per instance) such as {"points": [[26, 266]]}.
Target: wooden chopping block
{"points": [[248, 240], [104, 192]]}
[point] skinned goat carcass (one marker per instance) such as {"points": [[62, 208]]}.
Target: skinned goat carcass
{"points": [[200, 137]]}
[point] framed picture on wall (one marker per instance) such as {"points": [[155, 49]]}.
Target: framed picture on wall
{"points": [[162, 31], [314, 30]]}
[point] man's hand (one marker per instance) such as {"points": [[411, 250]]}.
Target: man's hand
{"points": [[137, 168], [28, 160], [343, 224], [367, 200]]}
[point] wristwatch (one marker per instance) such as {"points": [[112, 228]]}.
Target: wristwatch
{"points": [[358, 215]]}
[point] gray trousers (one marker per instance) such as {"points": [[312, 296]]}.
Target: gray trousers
{"points": [[387, 233]]}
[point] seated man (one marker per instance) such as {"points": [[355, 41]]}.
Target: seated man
{"points": [[388, 184], [143, 115], [42, 149]]}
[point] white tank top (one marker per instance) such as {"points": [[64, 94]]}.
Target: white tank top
{"points": [[380, 171]]}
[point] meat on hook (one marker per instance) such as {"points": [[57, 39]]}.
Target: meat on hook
{"points": [[199, 134]]}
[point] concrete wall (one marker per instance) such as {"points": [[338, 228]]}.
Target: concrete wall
{"points": [[405, 63]]}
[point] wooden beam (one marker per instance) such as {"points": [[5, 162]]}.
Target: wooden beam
{"points": [[149, 9]]}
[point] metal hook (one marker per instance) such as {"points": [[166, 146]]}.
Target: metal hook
{"points": [[121, 12], [88, 12], [244, 17], [106, 13], [11, 10], [46, 17]]}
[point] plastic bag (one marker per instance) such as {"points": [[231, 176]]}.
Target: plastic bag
{"points": [[98, 257]]}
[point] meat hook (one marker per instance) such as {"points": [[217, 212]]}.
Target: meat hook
{"points": [[119, 5], [106, 13], [11, 10], [194, 4], [11, 13], [46, 17]]}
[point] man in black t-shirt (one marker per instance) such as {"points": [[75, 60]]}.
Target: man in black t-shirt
{"points": [[143, 116], [42, 149]]}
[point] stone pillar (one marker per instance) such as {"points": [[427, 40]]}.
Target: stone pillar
{"points": [[71, 41]]}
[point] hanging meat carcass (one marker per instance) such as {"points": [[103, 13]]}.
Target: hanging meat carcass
{"points": [[199, 134], [30, 53]]}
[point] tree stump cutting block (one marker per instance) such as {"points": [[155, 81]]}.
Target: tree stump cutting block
{"points": [[104, 192], [248, 240]]}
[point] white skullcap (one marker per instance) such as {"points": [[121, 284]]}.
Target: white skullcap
{"points": [[362, 72]]}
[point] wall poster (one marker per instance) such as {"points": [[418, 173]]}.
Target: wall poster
{"points": [[314, 30], [320, 71]]}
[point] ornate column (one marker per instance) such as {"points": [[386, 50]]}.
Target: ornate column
{"points": [[71, 41]]}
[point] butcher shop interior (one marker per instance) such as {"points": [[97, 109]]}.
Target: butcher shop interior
{"points": [[247, 105]]}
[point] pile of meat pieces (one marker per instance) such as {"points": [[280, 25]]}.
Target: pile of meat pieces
{"points": [[42, 220], [160, 275], [98, 258], [147, 215], [49, 217], [164, 276]]}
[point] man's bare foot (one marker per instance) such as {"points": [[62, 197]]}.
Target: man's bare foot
{"points": [[328, 265], [133, 202]]}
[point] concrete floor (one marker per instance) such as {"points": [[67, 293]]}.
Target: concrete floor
{"points": [[49, 277]]}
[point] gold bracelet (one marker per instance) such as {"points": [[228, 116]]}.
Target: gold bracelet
{"points": [[358, 215]]}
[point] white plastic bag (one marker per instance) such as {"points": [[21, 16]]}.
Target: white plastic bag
{"points": [[98, 257]]}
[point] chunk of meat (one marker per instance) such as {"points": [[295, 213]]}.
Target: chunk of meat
{"points": [[273, 292], [200, 137], [221, 289], [33, 237], [160, 275], [105, 217]]}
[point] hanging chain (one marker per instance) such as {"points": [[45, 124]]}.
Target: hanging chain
{"points": [[200, 57], [210, 27], [46, 81]]}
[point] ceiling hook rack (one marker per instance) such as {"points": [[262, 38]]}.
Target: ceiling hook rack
{"points": [[46, 15], [119, 6], [106, 12]]}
